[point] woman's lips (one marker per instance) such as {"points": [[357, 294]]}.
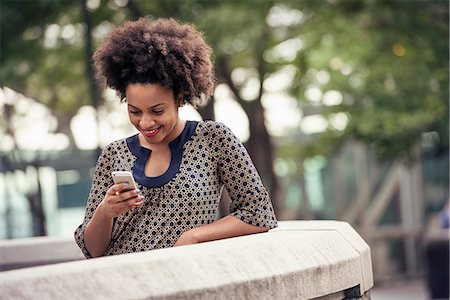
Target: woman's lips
{"points": [[151, 133]]}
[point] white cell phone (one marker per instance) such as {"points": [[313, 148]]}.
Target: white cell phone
{"points": [[124, 176]]}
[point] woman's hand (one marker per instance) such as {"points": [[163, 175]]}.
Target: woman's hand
{"points": [[118, 200]]}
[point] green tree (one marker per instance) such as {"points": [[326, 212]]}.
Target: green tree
{"points": [[389, 59]]}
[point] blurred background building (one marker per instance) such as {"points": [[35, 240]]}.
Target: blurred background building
{"points": [[343, 106]]}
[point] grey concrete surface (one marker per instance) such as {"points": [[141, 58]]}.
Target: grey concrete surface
{"points": [[298, 260], [28, 252]]}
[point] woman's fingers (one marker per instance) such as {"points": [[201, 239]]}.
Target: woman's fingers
{"points": [[128, 204], [119, 193], [116, 189], [125, 196], [119, 199]]}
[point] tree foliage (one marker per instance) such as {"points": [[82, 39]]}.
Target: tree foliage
{"points": [[388, 59]]}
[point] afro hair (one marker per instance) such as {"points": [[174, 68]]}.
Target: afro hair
{"points": [[163, 52]]}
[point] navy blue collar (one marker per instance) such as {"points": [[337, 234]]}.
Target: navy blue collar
{"points": [[142, 154]]}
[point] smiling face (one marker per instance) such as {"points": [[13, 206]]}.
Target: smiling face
{"points": [[152, 109]]}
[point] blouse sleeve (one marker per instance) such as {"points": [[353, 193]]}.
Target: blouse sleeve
{"points": [[101, 182], [250, 200]]}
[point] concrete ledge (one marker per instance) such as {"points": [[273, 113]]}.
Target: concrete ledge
{"points": [[347, 234], [29, 252], [298, 260]]}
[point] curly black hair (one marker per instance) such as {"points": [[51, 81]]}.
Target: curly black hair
{"points": [[165, 52]]}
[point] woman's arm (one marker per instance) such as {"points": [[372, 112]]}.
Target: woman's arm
{"points": [[118, 200], [97, 234], [226, 227]]}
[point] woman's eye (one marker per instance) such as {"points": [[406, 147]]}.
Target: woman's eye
{"points": [[134, 112], [158, 112]]}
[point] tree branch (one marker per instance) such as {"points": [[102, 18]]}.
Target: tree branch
{"points": [[225, 73]]}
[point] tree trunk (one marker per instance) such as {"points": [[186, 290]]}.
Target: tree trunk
{"points": [[93, 88], [37, 205], [261, 150], [207, 111]]}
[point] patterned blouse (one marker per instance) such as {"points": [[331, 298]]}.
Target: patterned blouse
{"points": [[205, 157]]}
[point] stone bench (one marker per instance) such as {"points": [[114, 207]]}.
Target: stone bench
{"points": [[298, 260]]}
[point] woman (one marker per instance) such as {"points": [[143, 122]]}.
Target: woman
{"points": [[180, 166]]}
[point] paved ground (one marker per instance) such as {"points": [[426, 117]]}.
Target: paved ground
{"points": [[400, 290]]}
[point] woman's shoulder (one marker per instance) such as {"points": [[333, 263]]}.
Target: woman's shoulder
{"points": [[215, 134], [210, 126], [116, 146]]}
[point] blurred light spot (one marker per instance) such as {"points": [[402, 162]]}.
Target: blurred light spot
{"points": [[51, 35], [187, 112], [32, 123], [346, 69], [286, 50], [68, 32], [250, 90], [67, 177], [281, 112], [355, 81], [398, 49], [336, 63], [56, 141], [280, 80], [121, 3], [7, 96], [84, 128], [339, 121], [7, 143], [239, 75], [281, 15], [323, 77], [113, 120], [281, 167], [229, 112], [314, 124], [332, 97], [102, 30], [93, 4], [110, 95], [313, 94]]}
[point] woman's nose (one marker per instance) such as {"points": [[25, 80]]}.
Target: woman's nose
{"points": [[146, 122]]}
